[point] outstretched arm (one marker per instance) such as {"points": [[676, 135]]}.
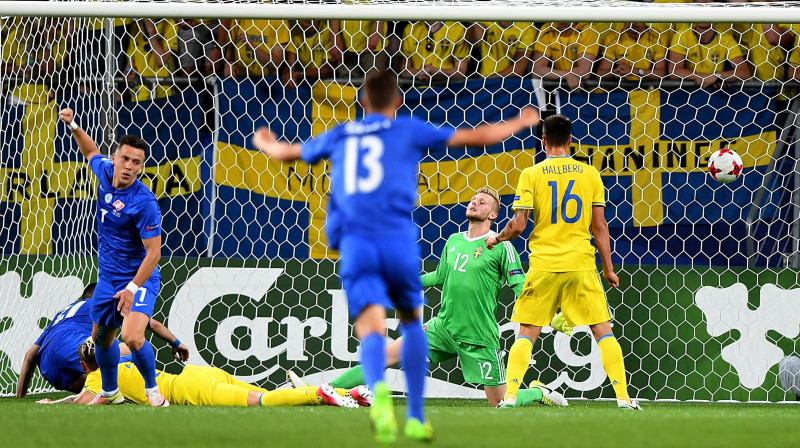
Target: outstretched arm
{"points": [[513, 228], [82, 398], [489, 134], [26, 373], [85, 143], [266, 142], [179, 351]]}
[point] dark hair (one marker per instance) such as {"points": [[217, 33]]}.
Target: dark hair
{"points": [[557, 130], [86, 353], [134, 141], [88, 292], [381, 89]]}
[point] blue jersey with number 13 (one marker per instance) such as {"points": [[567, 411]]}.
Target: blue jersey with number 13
{"points": [[375, 165]]}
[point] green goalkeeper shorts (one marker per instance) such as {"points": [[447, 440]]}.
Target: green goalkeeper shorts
{"points": [[479, 364]]}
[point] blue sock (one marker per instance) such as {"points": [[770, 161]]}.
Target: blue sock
{"points": [[145, 361], [414, 356], [373, 358], [108, 360]]}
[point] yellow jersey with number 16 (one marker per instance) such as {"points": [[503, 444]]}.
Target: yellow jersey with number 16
{"points": [[561, 192]]}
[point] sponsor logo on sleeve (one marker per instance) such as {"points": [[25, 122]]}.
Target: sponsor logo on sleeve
{"points": [[151, 227], [515, 272]]}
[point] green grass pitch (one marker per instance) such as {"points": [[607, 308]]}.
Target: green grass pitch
{"points": [[458, 423]]}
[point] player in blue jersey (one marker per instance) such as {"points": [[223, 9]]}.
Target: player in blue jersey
{"points": [[129, 245], [55, 351], [375, 164]]}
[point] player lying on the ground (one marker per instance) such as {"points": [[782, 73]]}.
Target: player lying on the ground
{"points": [[197, 386], [55, 351], [466, 326]]}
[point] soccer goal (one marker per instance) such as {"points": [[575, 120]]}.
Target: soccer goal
{"points": [[709, 296]]}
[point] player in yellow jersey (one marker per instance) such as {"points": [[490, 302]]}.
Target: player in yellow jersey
{"points": [[199, 386], [565, 50], [636, 53], [506, 47], [567, 201], [700, 54], [435, 50]]}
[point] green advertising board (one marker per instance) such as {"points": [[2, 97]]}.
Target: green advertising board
{"points": [[686, 333]]}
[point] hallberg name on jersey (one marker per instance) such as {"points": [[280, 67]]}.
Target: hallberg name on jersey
{"points": [[562, 169]]}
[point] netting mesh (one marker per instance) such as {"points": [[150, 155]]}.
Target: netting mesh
{"points": [[706, 309]]}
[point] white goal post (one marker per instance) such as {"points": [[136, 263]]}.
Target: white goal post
{"points": [[707, 307], [468, 11]]}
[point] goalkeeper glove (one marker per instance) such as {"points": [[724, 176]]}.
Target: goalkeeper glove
{"points": [[559, 323]]}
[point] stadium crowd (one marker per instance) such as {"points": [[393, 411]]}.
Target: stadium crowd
{"points": [[150, 53]]}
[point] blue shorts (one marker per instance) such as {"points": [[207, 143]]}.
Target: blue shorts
{"points": [[381, 271], [103, 309]]}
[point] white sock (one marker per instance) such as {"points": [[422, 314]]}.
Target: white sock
{"points": [[105, 394]]}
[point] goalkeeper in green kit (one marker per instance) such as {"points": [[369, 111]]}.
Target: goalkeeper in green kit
{"points": [[471, 277]]}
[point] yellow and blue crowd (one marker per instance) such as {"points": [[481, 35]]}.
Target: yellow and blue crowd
{"points": [[150, 53]]}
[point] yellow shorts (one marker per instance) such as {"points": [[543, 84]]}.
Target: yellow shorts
{"points": [[579, 294], [209, 386]]}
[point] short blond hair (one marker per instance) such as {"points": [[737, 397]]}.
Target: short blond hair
{"points": [[494, 195], [86, 351]]}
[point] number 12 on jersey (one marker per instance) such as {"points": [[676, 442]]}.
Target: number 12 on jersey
{"points": [[371, 162], [564, 201]]}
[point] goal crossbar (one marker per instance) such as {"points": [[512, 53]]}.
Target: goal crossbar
{"points": [[787, 12]]}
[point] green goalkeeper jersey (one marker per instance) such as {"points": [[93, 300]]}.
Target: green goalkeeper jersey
{"points": [[472, 276]]}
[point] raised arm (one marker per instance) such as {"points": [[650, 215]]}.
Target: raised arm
{"points": [[603, 243], [489, 134], [265, 141], [26, 373], [85, 143], [179, 351]]}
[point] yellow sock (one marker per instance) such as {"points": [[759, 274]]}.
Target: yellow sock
{"points": [[519, 358], [611, 355], [290, 397], [343, 392]]}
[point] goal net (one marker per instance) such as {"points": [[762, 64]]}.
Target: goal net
{"points": [[707, 306]]}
